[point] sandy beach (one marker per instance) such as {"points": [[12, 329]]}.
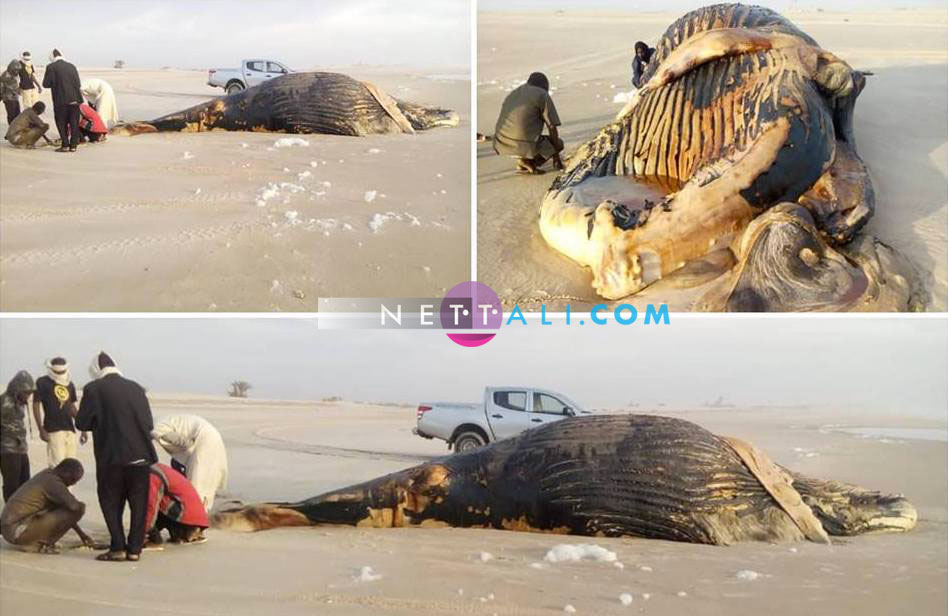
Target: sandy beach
{"points": [[292, 450], [225, 221], [901, 131]]}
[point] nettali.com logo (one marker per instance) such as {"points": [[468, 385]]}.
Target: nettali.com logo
{"points": [[471, 306], [474, 313]]}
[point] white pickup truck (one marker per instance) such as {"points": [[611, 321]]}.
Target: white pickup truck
{"points": [[250, 73], [505, 412]]}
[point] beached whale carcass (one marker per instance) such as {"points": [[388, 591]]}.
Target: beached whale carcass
{"points": [[741, 112], [327, 103], [619, 475]]}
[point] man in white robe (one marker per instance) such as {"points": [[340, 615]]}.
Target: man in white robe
{"points": [[100, 94], [197, 446]]}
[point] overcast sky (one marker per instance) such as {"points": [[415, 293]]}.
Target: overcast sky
{"points": [[687, 5], [884, 364], [204, 34]]}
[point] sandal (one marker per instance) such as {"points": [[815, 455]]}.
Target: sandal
{"points": [[47, 548], [133, 557], [111, 556]]}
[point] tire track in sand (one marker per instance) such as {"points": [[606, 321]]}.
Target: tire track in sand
{"points": [[124, 206], [177, 239]]}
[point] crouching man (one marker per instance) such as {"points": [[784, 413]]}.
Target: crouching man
{"points": [[28, 127], [174, 505], [43, 509]]}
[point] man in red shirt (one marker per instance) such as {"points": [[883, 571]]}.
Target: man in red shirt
{"points": [[174, 504], [91, 126]]}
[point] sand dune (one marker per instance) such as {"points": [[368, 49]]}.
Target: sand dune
{"points": [[226, 221], [901, 131], [281, 451]]}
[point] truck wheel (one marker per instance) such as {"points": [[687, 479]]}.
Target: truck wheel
{"points": [[468, 441], [234, 87]]}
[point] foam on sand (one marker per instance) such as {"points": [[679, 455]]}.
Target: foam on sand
{"points": [[567, 552], [366, 574], [288, 142]]}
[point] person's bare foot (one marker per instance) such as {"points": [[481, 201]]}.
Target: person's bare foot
{"points": [[527, 167]]}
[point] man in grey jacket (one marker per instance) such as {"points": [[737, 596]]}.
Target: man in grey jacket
{"points": [[14, 463]]}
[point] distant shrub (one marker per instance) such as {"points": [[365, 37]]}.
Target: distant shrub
{"points": [[239, 389]]}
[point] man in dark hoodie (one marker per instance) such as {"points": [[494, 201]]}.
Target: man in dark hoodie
{"points": [[62, 79], [10, 90], [117, 413], [643, 53], [14, 463]]}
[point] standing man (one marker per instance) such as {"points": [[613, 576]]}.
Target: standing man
{"points": [[10, 90], [43, 509], [62, 79], [14, 463], [54, 406], [197, 450], [117, 412], [519, 130], [29, 85], [643, 53]]}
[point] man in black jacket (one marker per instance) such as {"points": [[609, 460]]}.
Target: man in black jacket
{"points": [[117, 413], [62, 79], [643, 53]]}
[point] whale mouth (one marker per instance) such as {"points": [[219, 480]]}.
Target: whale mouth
{"points": [[896, 514], [424, 118], [446, 118]]}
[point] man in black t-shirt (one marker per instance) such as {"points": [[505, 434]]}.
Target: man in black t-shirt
{"points": [[30, 87], [54, 406]]}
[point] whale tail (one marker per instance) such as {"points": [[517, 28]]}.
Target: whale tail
{"points": [[252, 518], [384, 502], [130, 129]]}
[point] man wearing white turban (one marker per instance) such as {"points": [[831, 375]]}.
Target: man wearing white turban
{"points": [[197, 451], [102, 98], [54, 406]]}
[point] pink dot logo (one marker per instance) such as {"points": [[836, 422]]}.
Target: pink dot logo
{"points": [[469, 309]]}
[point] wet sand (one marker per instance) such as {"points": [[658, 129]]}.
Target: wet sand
{"points": [[171, 222], [901, 132], [292, 450]]}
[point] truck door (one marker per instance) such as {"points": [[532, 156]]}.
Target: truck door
{"points": [[274, 70], [507, 412], [254, 72], [547, 409]]}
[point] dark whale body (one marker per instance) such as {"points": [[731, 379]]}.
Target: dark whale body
{"points": [[630, 475], [304, 103]]}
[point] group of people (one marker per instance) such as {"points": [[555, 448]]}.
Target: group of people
{"points": [[529, 109], [83, 109], [40, 510]]}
